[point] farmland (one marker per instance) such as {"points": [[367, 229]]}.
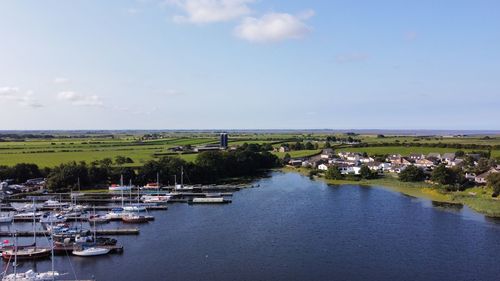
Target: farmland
{"points": [[62, 147]]}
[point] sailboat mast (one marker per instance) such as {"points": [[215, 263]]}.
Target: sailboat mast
{"points": [[15, 255], [52, 248], [182, 176], [34, 222], [158, 182]]}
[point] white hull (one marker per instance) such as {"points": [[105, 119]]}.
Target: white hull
{"points": [[30, 275], [90, 252], [120, 188]]}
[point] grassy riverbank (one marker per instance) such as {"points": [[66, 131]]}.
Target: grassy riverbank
{"points": [[478, 198]]}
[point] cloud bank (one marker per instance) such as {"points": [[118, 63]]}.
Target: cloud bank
{"points": [[274, 27]]}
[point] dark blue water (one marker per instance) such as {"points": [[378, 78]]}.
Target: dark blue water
{"points": [[292, 228]]}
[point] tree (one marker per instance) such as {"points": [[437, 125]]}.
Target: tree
{"points": [[460, 153], [333, 173], [309, 146], [327, 145], [411, 174], [442, 175], [366, 173], [493, 180], [287, 157]]}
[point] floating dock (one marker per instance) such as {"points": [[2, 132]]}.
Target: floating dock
{"points": [[210, 200], [117, 231]]}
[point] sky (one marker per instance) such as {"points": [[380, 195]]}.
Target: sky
{"points": [[249, 64]]}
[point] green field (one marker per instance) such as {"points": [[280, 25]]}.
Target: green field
{"points": [[65, 147], [298, 154], [403, 150]]}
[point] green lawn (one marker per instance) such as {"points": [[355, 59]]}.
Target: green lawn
{"points": [[403, 150], [298, 153]]}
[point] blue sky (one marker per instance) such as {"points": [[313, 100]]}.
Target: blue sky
{"points": [[245, 64]]}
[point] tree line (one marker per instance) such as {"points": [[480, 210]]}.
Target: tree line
{"points": [[208, 167]]}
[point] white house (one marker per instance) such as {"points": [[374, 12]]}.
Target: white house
{"points": [[323, 167]]}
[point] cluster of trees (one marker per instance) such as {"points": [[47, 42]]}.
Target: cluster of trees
{"points": [[349, 139], [22, 172], [494, 182], [451, 178], [209, 167], [301, 146]]}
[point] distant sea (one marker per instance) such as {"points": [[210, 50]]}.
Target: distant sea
{"points": [[405, 132]]}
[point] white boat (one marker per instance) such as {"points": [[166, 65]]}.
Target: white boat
{"points": [[115, 187], [120, 187], [155, 198], [134, 208], [31, 275], [55, 204], [92, 251], [51, 218], [28, 215]]}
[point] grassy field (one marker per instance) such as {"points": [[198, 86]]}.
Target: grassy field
{"points": [[60, 149], [298, 153], [403, 150]]}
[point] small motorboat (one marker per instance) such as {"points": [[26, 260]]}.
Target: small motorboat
{"points": [[90, 252], [155, 198]]}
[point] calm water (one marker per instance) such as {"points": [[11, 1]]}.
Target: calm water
{"points": [[292, 228]]}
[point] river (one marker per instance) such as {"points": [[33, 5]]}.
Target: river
{"points": [[292, 228]]}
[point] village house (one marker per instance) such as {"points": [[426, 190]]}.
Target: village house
{"points": [[424, 163], [482, 178], [416, 156], [448, 157], [327, 153], [454, 163], [323, 167], [283, 149], [367, 159], [433, 155]]}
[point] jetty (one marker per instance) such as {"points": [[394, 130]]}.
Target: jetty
{"points": [[116, 231]]}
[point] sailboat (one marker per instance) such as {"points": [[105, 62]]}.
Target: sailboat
{"points": [[92, 251], [31, 275], [120, 187], [156, 198], [181, 186], [27, 253]]}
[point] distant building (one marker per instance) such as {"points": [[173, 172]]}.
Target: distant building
{"points": [[223, 140]]}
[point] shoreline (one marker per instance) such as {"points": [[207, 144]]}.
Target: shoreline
{"points": [[481, 202]]}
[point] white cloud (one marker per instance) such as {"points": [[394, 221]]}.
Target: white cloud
{"points": [[274, 27], [61, 80], [351, 57], [14, 94], [210, 11], [80, 100]]}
